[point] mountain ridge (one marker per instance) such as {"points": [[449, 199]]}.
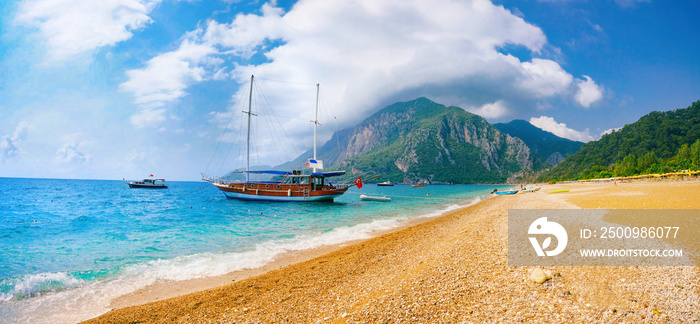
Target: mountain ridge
{"points": [[423, 141], [549, 148]]}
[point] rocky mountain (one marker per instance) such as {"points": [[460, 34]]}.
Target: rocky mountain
{"points": [[423, 141], [549, 149]]}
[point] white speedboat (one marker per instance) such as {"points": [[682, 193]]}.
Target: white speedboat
{"points": [[375, 198], [149, 184]]}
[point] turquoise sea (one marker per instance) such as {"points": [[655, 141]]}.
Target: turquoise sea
{"points": [[68, 247]]}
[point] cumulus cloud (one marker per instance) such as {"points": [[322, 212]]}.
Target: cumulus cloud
{"points": [[608, 131], [166, 76], [147, 118], [588, 92], [72, 27], [544, 78], [493, 110], [9, 144], [366, 54], [73, 151], [561, 130]]}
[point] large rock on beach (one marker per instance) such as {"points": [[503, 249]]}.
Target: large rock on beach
{"points": [[539, 276]]}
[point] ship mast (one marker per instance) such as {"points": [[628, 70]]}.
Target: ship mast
{"points": [[249, 112], [316, 123]]}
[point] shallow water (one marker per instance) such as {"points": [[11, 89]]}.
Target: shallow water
{"points": [[70, 246]]}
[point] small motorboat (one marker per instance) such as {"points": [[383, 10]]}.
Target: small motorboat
{"points": [[149, 184], [385, 184], [510, 192], [419, 185], [375, 198]]}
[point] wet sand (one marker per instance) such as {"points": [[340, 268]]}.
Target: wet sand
{"points": [[449, 269]]}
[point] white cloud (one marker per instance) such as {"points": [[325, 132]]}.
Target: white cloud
{"points": [[165, 79], [493, 110], [73, 151], [561, 130], [608, 131], [166, 76], [9, 144], [147, 118], [73, 27], [246, 32], [544, 78], [588, 92]]}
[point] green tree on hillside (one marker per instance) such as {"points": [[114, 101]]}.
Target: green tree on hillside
{"points": [[627, 167], [647, 162], [695, 152], [683, 157]]}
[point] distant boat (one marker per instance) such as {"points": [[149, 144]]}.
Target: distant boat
{"points": [[385, 184], [419, 185], [149, 184], [375, 198], [510, 192]]}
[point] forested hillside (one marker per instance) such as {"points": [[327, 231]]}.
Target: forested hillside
{"points": [[658, 142]]}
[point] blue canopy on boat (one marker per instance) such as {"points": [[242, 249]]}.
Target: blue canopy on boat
{"points": [[265, 172], [271, 172], [318, 174], [328, 174]]}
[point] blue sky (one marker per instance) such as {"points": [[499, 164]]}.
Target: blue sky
{"points": [[126, 88]]}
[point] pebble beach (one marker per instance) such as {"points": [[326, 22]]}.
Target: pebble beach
{"points": [[453, 268]]}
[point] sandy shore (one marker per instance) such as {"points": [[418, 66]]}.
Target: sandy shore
{"points": [[449, 269]]}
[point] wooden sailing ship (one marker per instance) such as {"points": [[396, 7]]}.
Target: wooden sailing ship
{"points": [[293, 186]]}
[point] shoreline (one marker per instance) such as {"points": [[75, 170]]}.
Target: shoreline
{"points": [[447, 268], [164, 289]]}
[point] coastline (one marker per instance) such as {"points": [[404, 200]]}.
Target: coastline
{"points": [[448, 268], [164, 289]]}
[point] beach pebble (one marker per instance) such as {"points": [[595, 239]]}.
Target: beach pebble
{"points": [[539, 276]]}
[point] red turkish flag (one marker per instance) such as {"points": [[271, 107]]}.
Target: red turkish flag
{"points": [[358, 182]]}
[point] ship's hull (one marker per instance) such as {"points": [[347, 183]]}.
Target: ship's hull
{"points": [[242, 196], [131, 185], [510, 192], [286, 193]]}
